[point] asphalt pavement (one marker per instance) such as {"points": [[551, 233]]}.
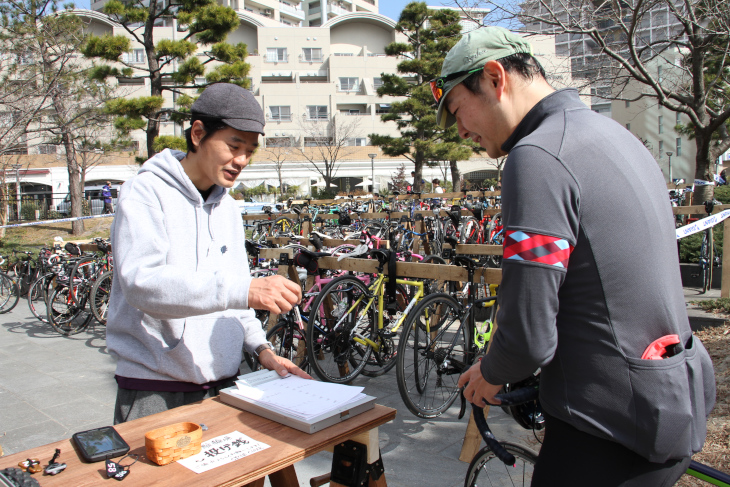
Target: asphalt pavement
{"points": [[53, 386]]}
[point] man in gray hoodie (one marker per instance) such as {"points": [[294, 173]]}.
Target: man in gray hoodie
{"points": [[181, 308]]}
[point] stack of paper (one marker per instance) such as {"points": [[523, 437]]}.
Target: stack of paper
{"points": [[291, 395]]}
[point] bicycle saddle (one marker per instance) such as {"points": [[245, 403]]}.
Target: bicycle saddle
{"points": [[314, 255], [451, 241], [465, 261], [358, 251], [383, 255]]}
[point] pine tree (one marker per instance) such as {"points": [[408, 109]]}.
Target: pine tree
{"points": [[44, 43], [430, 34], [204, 23]]}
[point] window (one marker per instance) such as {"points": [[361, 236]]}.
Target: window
{"points": [[312, 54], [679, 118], [661, 147], [47, 149], [382, 108], [317, 141], [357, 141], [349, 84], [660, 126], [628, 126], [377, 83], [135, 56], [25, 58], [679, 147], [659, 74], [353, 111], [628, 103], [278, 142], [317, 112], [276, 55], [280, 113]]}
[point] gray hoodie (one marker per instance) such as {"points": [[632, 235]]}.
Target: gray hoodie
{"points": [[178, 307]]}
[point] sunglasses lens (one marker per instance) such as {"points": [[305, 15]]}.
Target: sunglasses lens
{"points": [[437, 92]]}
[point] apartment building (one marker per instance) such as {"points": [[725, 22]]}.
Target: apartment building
{"points": [[313, 83], [655, 125]]}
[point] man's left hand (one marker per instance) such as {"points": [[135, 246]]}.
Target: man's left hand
{"points": [[477, 389], [269, 360]]}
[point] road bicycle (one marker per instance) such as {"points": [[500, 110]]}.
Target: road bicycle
{"points": [[440, 340], [509, 464], [351, 327]]}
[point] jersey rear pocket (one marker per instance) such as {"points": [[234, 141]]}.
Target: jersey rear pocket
{"points": [[670, 404]]}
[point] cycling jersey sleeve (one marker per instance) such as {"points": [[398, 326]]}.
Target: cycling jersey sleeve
{"points": [[540, 214]]}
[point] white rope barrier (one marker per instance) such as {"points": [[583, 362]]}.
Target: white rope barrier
{"points": [[46, 222], [701, 225]]}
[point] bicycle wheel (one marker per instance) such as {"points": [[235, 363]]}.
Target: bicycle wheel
{"points": [[64, 316], [434, 351], [38, 296], [99, 296], [9, 293], [486, 469], [289, 343], [336, 349], [384, 360]]}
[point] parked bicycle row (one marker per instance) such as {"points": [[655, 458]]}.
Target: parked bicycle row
{"points": [[66, 289]]}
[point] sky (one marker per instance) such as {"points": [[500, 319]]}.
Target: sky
{"points": [[392, 8]]}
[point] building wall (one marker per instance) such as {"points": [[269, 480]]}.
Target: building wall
{"points": [[642, 118]]}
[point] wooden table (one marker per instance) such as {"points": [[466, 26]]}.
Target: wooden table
{"points": [[288, 446]]}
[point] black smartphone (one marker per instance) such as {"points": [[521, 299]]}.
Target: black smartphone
{"points": [[100, 443]]}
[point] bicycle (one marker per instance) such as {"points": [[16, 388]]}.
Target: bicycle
{"points": [[503, 470], [346, 332], [440, 340]]}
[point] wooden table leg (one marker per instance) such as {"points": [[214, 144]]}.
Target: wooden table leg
{"points": [[286, 477]]}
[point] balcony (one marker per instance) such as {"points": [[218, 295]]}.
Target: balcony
{"points": [[289, 11], [334, 9]]}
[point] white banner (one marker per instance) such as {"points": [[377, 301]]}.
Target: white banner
{"points": [[46, 222], [703, 224]]}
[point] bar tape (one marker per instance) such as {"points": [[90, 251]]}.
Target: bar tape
{"points": [[46, 222], [703, 224]]}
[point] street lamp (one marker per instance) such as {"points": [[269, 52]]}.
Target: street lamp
{"points": [[372, 172], [670, 154], [17, 187]]}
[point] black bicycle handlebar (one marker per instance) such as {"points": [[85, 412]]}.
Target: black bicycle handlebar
{"points": [[520, 396]]}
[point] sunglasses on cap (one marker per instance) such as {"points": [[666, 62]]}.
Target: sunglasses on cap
{"points": [[437, 85]]}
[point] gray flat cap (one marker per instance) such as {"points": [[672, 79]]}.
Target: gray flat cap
{"points": [[233, 105]]}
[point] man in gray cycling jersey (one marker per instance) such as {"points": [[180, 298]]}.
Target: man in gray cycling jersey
{"points": [[587, 287]]}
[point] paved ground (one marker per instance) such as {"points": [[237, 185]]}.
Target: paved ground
{"points": [[51, 387]]}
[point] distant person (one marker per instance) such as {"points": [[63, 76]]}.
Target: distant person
{"points": [[437, 186], [106, 192]]}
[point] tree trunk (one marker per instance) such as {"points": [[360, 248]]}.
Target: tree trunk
{"points": [[74, 185], [702, 169], [455, 176], [153, 126]]}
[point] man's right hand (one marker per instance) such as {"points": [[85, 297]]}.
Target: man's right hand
{"points": [[275, 294]]}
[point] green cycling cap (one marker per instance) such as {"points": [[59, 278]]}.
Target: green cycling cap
{"points": [[473, 51]]}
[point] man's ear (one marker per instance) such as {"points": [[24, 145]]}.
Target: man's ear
{"points": [[197, 132], [495, 75]]}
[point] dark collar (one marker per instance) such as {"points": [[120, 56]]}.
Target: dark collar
{"points": [[554, 102]]}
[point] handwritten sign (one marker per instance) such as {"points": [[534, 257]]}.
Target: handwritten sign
{"points": [[222, 450]]}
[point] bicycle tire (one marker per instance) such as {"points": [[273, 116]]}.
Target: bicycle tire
{"points": [[9, 293], [383, 361], [487, 469], [38, 296], [15, 477], [99, 296], [64, 316], [434, 351], [289, 343], [334, 355]]}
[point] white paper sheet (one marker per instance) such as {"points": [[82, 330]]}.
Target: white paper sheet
{"points": [[302, 398], [222, 450]]}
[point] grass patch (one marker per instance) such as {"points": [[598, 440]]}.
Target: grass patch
{"points": [[36, 237]]}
